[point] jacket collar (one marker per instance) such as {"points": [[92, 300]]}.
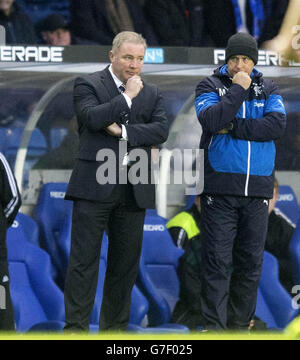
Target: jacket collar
{"points": [[223, 71]]}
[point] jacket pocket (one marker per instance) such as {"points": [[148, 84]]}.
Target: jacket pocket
{"points": [[228, 155], [262, 158]]}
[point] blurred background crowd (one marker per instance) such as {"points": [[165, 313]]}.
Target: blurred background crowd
{"points": [[185, 23]]}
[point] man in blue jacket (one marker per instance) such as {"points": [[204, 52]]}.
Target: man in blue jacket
{"points": [[241, 114]]}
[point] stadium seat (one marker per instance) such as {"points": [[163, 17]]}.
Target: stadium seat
{"points": [[50, 213], [37, 147], [189, 201], [38, 302], [151, 212], [56, 136], [274, 304], [263, 312], [24, 224], [157, 272], [294, 251], [288, 203]]}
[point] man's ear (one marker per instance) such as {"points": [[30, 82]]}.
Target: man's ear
{"points": [[111, 56]]}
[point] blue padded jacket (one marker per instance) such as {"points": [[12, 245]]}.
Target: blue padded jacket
{"points": [[240, 162]]}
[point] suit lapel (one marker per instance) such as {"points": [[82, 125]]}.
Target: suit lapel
{"points": [[109, 83]]}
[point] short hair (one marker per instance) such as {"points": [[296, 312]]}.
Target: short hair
{"points": [[128, 36]]}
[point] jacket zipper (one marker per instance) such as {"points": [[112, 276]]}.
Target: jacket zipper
{"points": [[249, 156]]}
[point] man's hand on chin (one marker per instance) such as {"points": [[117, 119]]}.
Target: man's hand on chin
{"points": [[114, 130]]}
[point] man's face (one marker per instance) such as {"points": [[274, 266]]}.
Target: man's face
{"points": [[127, 61], [6, 4], [239, 63], [59, 37]]}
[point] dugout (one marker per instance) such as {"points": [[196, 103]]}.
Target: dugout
{"points": [[37, 115]]}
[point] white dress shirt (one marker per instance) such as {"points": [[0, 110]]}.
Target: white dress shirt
{"points": [[118, 83]]}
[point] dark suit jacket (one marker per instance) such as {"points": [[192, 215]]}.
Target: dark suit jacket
{"points": [[99, 104]]}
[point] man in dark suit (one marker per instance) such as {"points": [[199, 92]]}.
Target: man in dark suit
{"points": [[113, 107]]}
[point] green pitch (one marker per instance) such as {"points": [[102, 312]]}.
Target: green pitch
{"points": [[175, 337], [292, 332]]}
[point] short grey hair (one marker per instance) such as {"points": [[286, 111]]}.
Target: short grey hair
{"points": [[128, 36]]}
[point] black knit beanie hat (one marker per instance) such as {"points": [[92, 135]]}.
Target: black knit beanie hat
{"points": [[242, 44]]}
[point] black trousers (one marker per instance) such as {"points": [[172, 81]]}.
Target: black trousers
{"points": [[6, 309], [233, 236], [124, 222]]}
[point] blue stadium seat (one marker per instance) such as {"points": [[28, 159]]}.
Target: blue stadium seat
{"points": [[157, 272], [25, 224], [263, 312], [190, 201], [37, 147], [294, 251], [56, 136], [38, 303], [274, 304], [50, 213], [151, 212], [288, 203]]}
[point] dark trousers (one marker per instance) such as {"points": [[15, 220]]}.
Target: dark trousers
{"points": [[233, 236], [6, 309], [124, 222]]}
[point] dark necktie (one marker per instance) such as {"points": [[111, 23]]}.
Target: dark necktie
{"points": [[122, 88]]}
